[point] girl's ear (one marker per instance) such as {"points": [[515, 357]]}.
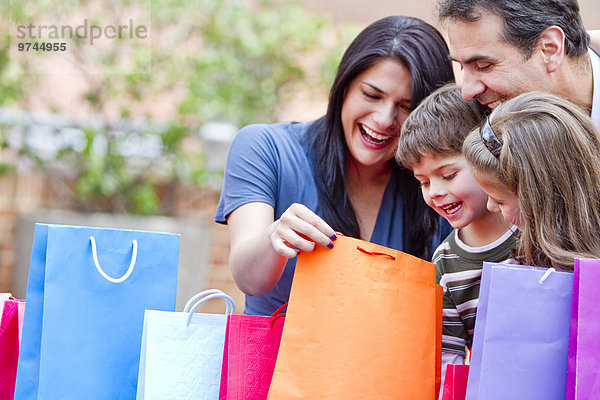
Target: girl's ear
{"points": [[552, 47]]}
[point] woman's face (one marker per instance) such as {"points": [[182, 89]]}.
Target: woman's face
{"points": [[376, 105]]}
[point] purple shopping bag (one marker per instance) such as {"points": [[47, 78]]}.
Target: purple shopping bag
{"points": [[251, 347], [521, 337], [583, 374]]}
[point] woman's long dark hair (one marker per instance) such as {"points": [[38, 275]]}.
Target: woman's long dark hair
{"points": [[419, 47]]}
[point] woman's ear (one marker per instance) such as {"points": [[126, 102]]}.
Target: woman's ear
{"points": [[552, 47]]}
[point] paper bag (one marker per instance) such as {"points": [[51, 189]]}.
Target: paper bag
{"points": [[583, 375], [455, 382], [182, 352], [521, 336], [11, 319], [87, 292], [363, 322], [251, 347]]}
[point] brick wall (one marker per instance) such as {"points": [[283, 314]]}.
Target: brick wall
{"points": [[26, 192]]}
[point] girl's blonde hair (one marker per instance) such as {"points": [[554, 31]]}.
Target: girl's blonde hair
{"points": [[550, 158]]}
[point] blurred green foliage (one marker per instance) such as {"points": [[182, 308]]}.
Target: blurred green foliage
{"points": [[233, 61]]}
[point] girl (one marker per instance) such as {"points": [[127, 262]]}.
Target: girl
{"points": [[537, 157]]}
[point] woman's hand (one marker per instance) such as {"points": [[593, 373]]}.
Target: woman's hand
{"points": [[261, 246], [299, 229]]}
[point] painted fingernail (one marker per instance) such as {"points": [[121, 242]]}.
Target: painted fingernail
{"points": [[330, 245], [333, 237]]}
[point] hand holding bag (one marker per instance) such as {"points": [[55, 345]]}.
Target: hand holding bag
{"points": [[182, 352], [363, 322], [583, 374]]}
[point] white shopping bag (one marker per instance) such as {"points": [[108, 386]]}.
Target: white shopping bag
{"points": [[182, 352]]}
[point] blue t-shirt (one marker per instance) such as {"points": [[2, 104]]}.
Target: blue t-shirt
{"points": [[272, 164]]}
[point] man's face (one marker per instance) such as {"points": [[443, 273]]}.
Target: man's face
{"points": [[494, 70]]}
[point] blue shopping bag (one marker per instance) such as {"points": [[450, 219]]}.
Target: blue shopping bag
{"points": [[182, 352], [87, 292], [521, 337]]}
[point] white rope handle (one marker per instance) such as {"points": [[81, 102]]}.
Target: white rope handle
{"points": [[101, 271], [546, 275], [202, 297]]}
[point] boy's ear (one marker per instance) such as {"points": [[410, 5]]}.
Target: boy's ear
{"points": [[552, 47]]}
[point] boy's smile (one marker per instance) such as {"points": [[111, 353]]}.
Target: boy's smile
{"points": [[449, 188]]}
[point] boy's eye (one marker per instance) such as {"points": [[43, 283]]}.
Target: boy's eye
{"points": [[449, 176]]}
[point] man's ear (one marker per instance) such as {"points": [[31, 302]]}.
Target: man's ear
{"points": [[552, 46]]}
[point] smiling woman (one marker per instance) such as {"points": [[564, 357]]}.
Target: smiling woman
{"points": [[289, 187]]}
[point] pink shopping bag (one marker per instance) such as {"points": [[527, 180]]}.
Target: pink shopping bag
{"points": [[455, 382], [10, 334], [251, 347], [583, 374]]}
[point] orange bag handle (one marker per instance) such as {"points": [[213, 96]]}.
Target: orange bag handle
{"points": [[375, 253], [278, 313]]}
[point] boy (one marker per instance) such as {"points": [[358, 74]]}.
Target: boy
{"points": [[430, 145]]}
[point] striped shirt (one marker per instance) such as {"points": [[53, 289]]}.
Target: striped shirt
{"points": [[459, 273]]}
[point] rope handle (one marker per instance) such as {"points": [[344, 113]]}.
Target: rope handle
{"points": [[546, 275], [278, 313], [101, 271], [204, 296], [375, 253]]}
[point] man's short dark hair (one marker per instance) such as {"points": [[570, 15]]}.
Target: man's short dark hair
{"points": [[525, 20]]}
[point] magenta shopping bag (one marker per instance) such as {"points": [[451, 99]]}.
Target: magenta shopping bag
{"points": [[10, 333], [583, 374], [521, 338], [251, 347], [455, 382]]}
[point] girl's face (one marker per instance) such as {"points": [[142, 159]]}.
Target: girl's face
{"points": [[500, 198], [377, 103]]}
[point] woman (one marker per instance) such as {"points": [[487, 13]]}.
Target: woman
{"points": [[288, 187]]}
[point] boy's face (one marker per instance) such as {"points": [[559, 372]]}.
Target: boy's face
{"points": [[450, 189]]}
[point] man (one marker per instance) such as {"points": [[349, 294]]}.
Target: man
{"points": [[508, 47]]}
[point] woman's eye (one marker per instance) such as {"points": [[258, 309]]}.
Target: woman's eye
{"points": [[370, 96]]}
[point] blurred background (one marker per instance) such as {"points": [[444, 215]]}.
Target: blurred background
{"points": [[130, 129]]}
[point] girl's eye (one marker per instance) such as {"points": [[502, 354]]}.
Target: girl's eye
{"points": [[424, 184]]}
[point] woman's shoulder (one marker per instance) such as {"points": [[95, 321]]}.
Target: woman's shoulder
{"points": [[278, 132]]}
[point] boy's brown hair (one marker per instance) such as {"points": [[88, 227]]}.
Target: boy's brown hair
{"points": [[438, 126]]}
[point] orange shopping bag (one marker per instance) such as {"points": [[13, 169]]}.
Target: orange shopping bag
{"points": [[363, 322]]}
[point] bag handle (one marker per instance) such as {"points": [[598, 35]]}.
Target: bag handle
{"points": [[546, 275], [101, 271], [204, 296], [375, 253], [278, 313]]}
